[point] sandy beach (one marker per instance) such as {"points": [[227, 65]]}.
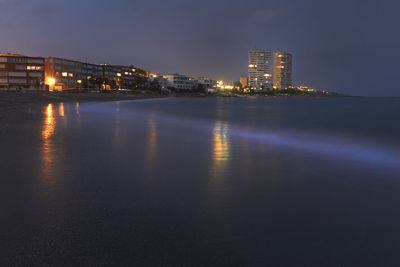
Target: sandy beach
{"points": [[9, 99], [17, 102]]}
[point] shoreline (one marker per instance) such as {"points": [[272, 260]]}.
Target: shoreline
{"points": [[16, 104], [14, 101]]}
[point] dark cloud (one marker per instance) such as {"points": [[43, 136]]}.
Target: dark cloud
{"points": [[344, 45]]}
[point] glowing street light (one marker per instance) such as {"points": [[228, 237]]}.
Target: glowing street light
{"points": [[51, 82]]}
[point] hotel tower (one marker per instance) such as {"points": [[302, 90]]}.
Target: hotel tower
{"points": [[282, 70], [260, 70]]}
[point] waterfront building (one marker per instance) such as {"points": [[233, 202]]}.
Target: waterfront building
{"points": [[90, 71], [282, 70], [181, 82], [244, 81], [18, 72], [63, 74], [162, 82], [127, 77], [206, 83], [260, 70], [141, 72], [119, 76]]}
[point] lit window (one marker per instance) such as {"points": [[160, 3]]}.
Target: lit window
{"points": [[70, 74], [65, 74], [119, 74], [33, 68]]}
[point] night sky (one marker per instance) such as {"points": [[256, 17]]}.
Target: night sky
{"points": [[349, 46]]}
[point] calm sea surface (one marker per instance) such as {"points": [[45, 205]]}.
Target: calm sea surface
{"points": [[202, 182]]}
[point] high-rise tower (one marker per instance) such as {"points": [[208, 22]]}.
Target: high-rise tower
{"points": [[282, 70], [260, 70]]}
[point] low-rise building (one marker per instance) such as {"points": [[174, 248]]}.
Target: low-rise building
{"points": [[63, 74], [90, 71], [125, 80], [207, 83], [162, 82], [181, 82], [58, 74], [18, 72]]}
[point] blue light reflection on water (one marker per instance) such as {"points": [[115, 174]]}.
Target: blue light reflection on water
{"points": [[340, 147]]}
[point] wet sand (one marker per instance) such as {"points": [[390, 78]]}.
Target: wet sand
{"points": [[13, 103], [10, 99]]}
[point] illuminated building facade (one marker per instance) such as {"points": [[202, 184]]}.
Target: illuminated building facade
{"points": [[63, 74], [260, 70], [206, 82], [19, 72], [282, 70], [122, 76], [180, 82], [90, 71]]}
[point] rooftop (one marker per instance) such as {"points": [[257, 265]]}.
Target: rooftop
{"points": [[15, 55], [11, 55]]}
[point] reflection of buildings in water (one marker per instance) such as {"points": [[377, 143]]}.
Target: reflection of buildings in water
{"points": [[48, 129], [117, 128], [221, 148], [61, 110], [152, 143], [77, 108], [48, 124], [221, 143]]}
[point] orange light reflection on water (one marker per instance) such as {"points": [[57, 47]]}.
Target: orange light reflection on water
{"points": [[61, 110], [221, 149], [48, 124], [48, 130], [152, 143], [221, 142]]}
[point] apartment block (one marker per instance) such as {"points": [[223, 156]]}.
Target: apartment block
{"points": [[282, 70], [18, 72], [181, 82], [123, 76], [63, 74], [260, 70]]}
